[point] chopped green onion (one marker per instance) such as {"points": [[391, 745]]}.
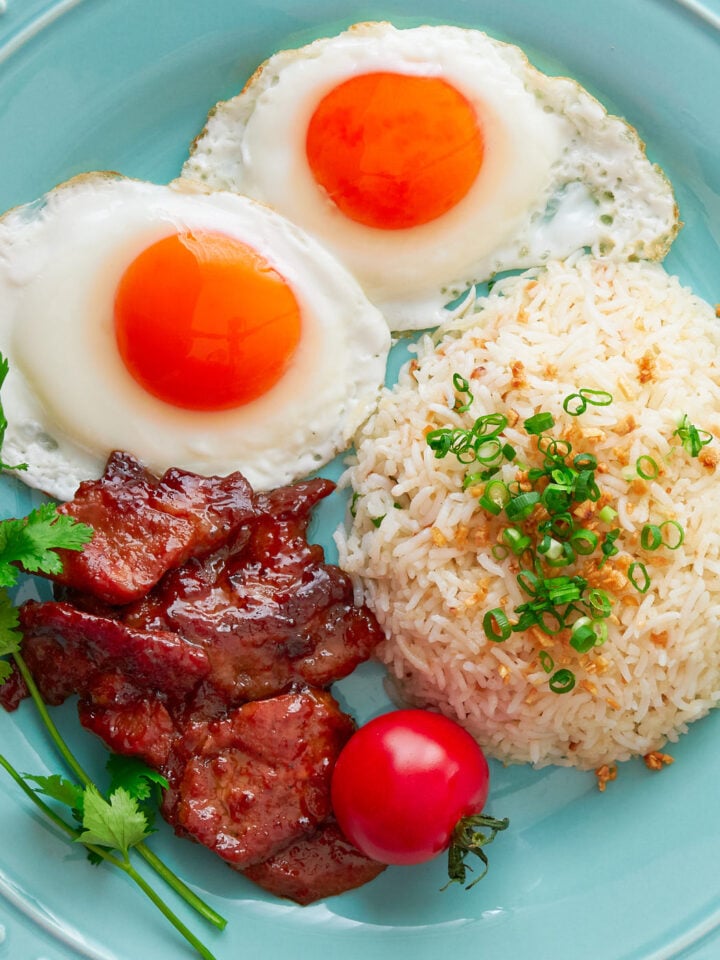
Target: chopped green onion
{"points": [[553, 448], [642, 582], [471, 479], [490, 505], [562, 525], [515, 540], [529, 582], [439, 441], [585, 461], [376, 521], [647, 468], [601, 632], [550, 622], [564, 476], [564, 558], [353, 504], [599, 601], [585, 486], [496, 625], [574, 405], [489, 425], [557, 599], [461, 441], [463, 386], [650, 537], [551, 548], [534, 474], [465, 455], [582, 636], [546, 661], [526, 620], [521, 506], [562, 681], [598, 398], [539, 423], [607, 514], [608, 547], [562, 590], [495, 496], [489, 474], [488, 451], [680, 531], [555, 498], [583, 541], [692, 439], [470, 445]]}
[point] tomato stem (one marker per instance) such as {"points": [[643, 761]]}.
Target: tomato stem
{"points": [[468, 837]]}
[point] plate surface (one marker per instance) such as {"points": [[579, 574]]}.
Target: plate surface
{"points": [[626, 875]]}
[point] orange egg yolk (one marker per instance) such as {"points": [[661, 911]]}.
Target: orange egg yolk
{"points": [[204, 322], [394, 150]]}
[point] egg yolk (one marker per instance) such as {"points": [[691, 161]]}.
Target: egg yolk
{"points": [[204, 322], [394, 150]]}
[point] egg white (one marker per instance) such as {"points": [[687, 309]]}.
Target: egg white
{"points": [[559, 174], [69, 398]]}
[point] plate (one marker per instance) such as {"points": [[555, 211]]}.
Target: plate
{"points": [[630, 874]]}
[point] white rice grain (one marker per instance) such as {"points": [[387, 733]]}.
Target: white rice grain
{"points": [[427, 570]]}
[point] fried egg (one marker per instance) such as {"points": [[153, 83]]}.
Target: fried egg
{"points": [[203, 332], [432, 158]]}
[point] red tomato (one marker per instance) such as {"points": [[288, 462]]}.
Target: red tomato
{"points": [[404, 781]]}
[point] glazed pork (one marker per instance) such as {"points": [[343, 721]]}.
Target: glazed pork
{"points": [[217, 675]]}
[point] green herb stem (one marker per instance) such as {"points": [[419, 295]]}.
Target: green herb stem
{"points": [[172, 880], [166, 911], [47, 720], [124, 864], [39, 803]]}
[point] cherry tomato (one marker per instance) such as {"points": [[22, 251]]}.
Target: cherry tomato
{"points": [[404, 782]]}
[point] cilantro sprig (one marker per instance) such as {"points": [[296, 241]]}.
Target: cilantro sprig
{"points": [[31, 542], [109, 824]]}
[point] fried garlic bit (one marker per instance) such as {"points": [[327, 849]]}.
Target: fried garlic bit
{"points": [[653, 761], [604, 775], [656, 760]]}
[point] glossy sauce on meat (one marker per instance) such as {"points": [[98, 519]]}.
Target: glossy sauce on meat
{"points": [[229, 774], [216, 676], [267, 609], [146, 525]]}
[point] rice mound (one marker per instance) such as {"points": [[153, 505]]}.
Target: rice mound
{"points": [[420, 548]]}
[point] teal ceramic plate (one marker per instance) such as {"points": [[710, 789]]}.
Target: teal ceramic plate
{"points": [[631, 874]]}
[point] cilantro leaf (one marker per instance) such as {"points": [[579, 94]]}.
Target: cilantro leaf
{"points": [[32, 540], [117, 823], [133, 775], [60, 789], [10, 636]]}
